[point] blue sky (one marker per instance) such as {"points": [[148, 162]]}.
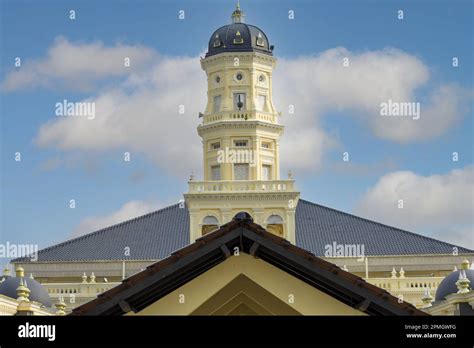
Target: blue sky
{"points": [[36, 191]]}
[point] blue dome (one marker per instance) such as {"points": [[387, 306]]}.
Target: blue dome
{"points": [[238, 37], [448, 284], [37, 292]]}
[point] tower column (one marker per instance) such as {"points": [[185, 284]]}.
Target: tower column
{"points": [[253, 92], [277, 160], [259, 216], [290, 225]]}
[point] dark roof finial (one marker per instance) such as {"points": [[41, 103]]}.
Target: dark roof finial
{"points": [[238, 15]]}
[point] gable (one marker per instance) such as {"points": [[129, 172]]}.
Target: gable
{"points": [[164, 277], [249, 282]]}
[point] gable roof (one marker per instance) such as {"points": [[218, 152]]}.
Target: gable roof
{"points": [[156, 235], [161, 278]]}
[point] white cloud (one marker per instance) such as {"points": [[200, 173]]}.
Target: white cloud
{"points": [[77, 65], [440, 205], [140, 112], [141, 116], [320, 84], [128, 211]]}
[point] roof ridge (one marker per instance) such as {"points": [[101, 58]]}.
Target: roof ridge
{"points": [[384, 225], [94, 233]]}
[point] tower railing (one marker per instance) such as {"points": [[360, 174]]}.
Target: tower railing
{"points": [[240, 116], [241, 186]]}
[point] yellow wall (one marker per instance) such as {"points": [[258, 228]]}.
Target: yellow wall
{"points": [[260, 196], [307, 300]]}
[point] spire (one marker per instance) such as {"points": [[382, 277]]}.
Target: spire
{"points": [[22, 291], [427, 298], [463, 282], [238, 15], [6, 271]]}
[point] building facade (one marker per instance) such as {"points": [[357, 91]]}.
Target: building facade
{"points": [[240, 133]]}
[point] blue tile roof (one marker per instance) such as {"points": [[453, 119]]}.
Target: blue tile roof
{"points": [[150, 237], [317, 226], [156, 235]]}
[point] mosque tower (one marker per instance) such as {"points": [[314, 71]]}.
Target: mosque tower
{"points": [[240, 134]]}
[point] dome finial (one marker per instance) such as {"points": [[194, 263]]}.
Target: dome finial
{"points": [[60, 306], [427, 298], [238, 15], [463, 283], [20, 272], [22, 291]]}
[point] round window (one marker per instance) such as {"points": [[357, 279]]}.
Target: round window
{"points": [[239, 76], [261, 78], [218, 79]]}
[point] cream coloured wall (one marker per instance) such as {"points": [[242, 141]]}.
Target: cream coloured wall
{"points": [[307, 300], [260, 196]]}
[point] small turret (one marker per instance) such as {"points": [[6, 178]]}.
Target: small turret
{"points": [[60, 306], [20, 272], [463, 282], [23, 292], [427, 298]]}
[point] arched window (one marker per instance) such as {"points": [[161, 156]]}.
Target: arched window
{"points": [[275, 225], [209, 223], [243, 215]]}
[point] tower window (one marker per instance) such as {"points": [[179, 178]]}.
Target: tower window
{"points": [[275, 225], [217, 41], [209, 224], [241, 171], [216, 145], [241, 143], [216, 172], [238, 40], [262, 100], [239, 101], [260, 41], [266, 145], [217, 103], [266, 172]]}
